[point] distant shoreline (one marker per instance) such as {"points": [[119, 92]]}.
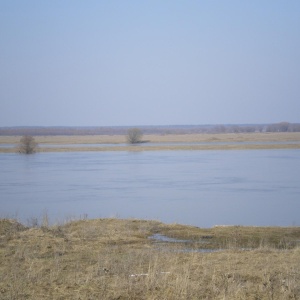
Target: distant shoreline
{"points": [[285, 127], [159, 142]]}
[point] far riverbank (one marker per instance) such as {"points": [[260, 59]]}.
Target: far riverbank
{"points": [[155, 142]]}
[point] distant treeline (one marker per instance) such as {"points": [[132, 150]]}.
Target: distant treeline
{"points": [[172, 129]]}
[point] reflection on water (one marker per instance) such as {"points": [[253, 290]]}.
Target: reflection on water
{"points": [[201, 188]]}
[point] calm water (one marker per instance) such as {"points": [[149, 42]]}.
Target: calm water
{"points": [[156, 144], [202, 188]]}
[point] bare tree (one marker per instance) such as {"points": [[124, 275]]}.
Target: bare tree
{"points": [[279, 127], [27, 145], [134, 136]]}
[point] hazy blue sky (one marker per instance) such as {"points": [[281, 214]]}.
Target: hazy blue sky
{"points": [[104, 63]]}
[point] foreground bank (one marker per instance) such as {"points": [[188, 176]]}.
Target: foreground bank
{"points": [[138, 259]]}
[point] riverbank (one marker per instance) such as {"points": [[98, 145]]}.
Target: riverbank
{"points": [[230, 141], [133, 259]]}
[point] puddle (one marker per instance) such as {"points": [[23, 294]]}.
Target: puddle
{"points": [[188, 250], [160, 238], [163, 238]]}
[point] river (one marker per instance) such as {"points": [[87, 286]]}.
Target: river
{"points": [[200, 188]]}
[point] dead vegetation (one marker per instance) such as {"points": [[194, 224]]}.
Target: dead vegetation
{"points": [[225, 141], [116, 259], [27, 145]]}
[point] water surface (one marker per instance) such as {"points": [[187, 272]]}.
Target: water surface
{"points": [[201, 188]]}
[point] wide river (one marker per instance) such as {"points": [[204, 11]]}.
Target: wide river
{"points": [[201, 188]]}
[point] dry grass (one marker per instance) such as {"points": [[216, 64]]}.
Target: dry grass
{"points": [[159, 138], [274, 141], [95, 259]]}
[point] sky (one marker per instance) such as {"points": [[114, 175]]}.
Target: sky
{"points": [[170, 62]]}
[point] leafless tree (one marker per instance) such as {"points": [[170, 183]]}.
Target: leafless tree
{"points": [[134, 136], [27, 145], [279, 127]]}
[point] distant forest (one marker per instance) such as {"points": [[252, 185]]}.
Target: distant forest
{"points": [[171, 129]]}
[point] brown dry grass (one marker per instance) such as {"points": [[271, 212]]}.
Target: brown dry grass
{"points": [[94, 259], [274, 141]]}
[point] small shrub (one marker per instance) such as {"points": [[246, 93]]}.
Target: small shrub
{"points": [[134, 136], [27, 145]]}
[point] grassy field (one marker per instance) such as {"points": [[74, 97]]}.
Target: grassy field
{"points": [[288, 140], [118, 259]]}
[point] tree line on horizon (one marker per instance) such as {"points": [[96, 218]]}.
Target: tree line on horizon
{"points": [[172, 129]]}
